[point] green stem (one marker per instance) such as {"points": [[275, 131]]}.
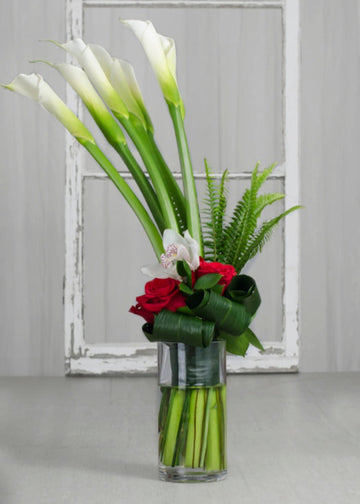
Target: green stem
{"points": [[221, 419], [129, 195], [163, 410], [195, 430], [177, 196], [143, 184], [212, 460], [192, 206], [183, 430], [206, 426], [173, 422], [141, 141]]}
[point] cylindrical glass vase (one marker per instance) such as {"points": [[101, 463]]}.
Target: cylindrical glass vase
{"points": [[192, 414]]}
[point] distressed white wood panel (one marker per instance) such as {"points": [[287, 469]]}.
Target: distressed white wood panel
{"points": [[281, 355], [32, 186], [31, 199], [229, 57]]}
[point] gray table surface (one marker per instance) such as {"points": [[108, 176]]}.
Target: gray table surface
{"points": [[291, 439]]}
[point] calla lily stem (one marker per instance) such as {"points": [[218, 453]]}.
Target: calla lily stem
{"points": [[140, 211], [192, 207]]}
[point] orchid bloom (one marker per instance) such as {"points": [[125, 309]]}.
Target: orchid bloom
{"points": [[177, 248], [161, 53], [33, 86]]}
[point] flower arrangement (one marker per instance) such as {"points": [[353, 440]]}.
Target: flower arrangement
{"points": [[197, 294]]}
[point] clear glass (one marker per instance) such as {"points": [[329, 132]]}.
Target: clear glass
{"points": [[192, 414]]}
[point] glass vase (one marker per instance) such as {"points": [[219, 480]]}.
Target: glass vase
{"points": [[192, 414]]}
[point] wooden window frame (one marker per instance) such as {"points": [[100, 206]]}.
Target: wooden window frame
{"points": [[140, 358]]}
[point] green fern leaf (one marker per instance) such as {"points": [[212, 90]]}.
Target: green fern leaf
{"points": [[214, 213], [267, 199], [259, 238], [245, 227]]}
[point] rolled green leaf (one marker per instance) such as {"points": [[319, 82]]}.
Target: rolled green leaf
{"points": [[229, 316], [243, 290], [178, 328]]}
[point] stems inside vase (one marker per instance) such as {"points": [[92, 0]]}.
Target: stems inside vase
{"points": [[192, 428]]}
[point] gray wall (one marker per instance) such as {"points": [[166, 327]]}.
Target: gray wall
{"points": [[32, 180]]}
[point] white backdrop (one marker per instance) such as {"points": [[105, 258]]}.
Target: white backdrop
{"points": [[32, 192]]}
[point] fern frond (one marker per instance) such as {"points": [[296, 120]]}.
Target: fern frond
{"points": [[264, 175], [245, 226], [221, 210], [214, 212], [232, 231], [259, 238], [267, 199]]}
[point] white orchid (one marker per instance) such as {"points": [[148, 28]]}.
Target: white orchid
{"points": [[161, 53], [34, 87], [177, 248]]}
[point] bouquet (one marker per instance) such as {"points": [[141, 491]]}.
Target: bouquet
{"points": [[198, 294]]}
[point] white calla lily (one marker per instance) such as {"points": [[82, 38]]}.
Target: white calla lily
{"points": [[34, 87], [96, 74], [122, 77], [177, 248], [161, 53], [80, 82]]}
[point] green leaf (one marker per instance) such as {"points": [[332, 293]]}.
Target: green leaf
{"points": [[185, 289], [185, 310], [253, 339], [178, 328], [183, 269], [207, 281], [218, 288], [237, 345]]}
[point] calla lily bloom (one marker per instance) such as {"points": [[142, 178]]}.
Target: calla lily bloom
{"points": [[80, 82], [34, 87], [177, 248], [96, 74], [161, 53], [122, 77]]}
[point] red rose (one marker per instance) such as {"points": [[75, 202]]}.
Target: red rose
{"points": [[226, 270], [159, 293]]}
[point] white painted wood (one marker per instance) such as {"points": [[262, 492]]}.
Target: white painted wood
{"points": [[111, 358], [73, 288], [85, 358], [292, 190], [271, 4], [32, 189]]}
